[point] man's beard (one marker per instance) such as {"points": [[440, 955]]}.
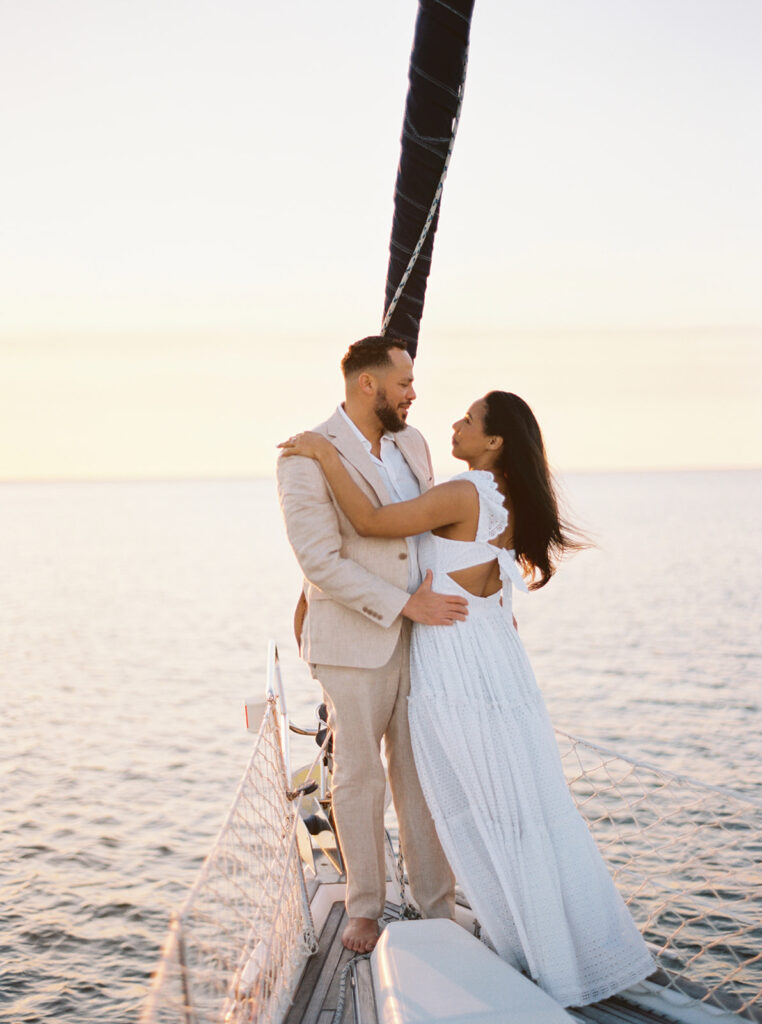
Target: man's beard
{"points": [[388, 416]]}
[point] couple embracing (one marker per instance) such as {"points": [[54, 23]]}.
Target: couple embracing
{"points": [[409, 630]]}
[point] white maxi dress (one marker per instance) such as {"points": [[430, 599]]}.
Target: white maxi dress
{"points": [[489, 765]]}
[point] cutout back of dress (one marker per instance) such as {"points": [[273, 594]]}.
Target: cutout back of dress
{"points": [[482, 566], [482, 580]]}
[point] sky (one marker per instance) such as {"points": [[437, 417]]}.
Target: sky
{"points": [[196, 206]]}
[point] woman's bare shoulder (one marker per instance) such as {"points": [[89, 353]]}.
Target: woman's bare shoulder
{"points": [[461, 490]]}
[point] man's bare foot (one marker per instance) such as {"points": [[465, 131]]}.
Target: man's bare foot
{"points": [[361, 934]]}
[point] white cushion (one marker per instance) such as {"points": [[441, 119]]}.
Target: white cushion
{"points": [[434, 971]]}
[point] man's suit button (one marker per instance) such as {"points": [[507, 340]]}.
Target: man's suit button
{"points": [[402, 556]]}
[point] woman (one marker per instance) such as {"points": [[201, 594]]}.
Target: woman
{"points": [[484, 746]]}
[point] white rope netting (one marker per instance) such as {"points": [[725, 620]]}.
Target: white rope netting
{"points": [[236, 950], [687, 859]]}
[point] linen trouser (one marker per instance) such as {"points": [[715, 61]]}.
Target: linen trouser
{"points": [[364, 706]]}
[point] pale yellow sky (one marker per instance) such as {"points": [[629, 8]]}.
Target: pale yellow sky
{"points": [[197, 204], [141, 405]]}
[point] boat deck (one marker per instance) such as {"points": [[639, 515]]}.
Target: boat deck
{"points": [[317, 997]]}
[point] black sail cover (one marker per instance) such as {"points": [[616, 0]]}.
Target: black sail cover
{"points": [[437, 67]]}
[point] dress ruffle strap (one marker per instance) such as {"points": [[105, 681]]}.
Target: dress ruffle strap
{"points": [[493, 515]]}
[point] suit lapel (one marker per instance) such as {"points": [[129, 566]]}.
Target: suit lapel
{"points": [[349, 445], [419, 466]]}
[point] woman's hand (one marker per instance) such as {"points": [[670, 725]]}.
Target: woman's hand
{"points": [[308, 443]]}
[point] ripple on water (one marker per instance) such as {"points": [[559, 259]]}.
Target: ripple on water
{"points": [[136, 623]]}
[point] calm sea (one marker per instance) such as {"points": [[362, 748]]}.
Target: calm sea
{"points": [[133, 623]]}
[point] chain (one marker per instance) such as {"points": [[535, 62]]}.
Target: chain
{"points": [[407, 910]]}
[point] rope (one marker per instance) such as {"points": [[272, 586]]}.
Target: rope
{"points": [[245, 931], [685, 780], [685, 857], [348, 966], [434, 204]]}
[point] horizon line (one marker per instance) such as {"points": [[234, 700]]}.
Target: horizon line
{"points": [[255, 477]]}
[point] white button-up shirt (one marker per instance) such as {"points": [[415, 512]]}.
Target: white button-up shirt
{"points": [[401, 483]]}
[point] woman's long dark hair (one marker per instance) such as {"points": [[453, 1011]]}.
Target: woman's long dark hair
{"points": [[540, 535]]}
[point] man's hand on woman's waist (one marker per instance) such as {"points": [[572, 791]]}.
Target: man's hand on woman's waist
{"points": [[432, 609]]}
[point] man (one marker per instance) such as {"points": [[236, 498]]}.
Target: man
{"points": [[362, 593]]}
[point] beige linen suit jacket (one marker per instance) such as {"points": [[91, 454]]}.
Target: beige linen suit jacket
{"points": [[355, 586]]}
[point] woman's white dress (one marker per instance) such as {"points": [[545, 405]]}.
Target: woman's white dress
{"points": [[491, 772]]}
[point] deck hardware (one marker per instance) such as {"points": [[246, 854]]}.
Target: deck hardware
{"points": [[303, 790]]}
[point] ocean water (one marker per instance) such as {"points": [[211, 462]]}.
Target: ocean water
{"points": [[134, 619]]}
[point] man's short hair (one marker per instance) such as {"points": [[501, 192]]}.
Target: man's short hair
{"points": [[370, 353]]}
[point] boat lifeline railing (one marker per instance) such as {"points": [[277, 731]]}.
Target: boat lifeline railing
{"points": [[236, 949], [687, 858]]}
